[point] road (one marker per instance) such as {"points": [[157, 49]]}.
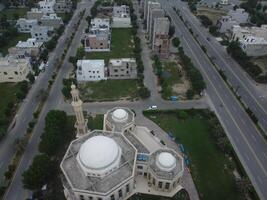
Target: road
{"points": [[16, 191], [247, 88], [248, 143], [24, 114]]}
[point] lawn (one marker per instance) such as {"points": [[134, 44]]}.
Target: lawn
{"points": [[171, 76], [208, 163], [121, 46], [109, 90], [14, 41], [8, 95], [10, 12]]}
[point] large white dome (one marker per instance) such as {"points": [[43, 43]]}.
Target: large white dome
{"points": [[99, 152], [119, 115], [166, 161]]}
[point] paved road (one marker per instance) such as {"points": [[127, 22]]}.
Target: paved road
{"points": [[16, 191], [250, 92], [24, 114], [249, 145]]}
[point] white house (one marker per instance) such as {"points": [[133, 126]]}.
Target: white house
{"points": [[25, 25], [234, 17], [121, 17], [51, 20], [100, 23], [253, 40], [42, 33], [90, 70], [47, 6], [14, 70]]}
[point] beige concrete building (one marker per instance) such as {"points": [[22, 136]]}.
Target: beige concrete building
{"points": [[155, 13], [29, 48], [151, 6], [14, 70], [160, 40], [119, 161], [123, 68], [63, 6]]}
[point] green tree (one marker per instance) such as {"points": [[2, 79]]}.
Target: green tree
{"points": [[182, 115], [80, 53], [171, 31], [54, 132], [144, 92], [38, 173], [176, 42], [31, 78]]}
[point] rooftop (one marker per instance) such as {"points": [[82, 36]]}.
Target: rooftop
{"points": [[91, 63], [13, 62], [77, 178], [29, 43]]}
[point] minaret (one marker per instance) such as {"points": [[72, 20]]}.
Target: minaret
{"points": [[81, 123]]}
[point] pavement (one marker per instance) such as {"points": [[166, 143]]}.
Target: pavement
{"points": [[247, 142]]}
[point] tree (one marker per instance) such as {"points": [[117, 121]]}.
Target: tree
{"points": [[182, 115], [80, 53], [213, 30], [171, 31], [38, 173], [176, 42], [54, 132], [243, 185], [205, 20], [31, 78], [144, 92]]}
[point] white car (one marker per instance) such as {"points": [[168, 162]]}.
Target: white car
{"points": [[153, 107]]}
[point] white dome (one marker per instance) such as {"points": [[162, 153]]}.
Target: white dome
{"points": [[99, 152], [119, 115], [166, 161]]}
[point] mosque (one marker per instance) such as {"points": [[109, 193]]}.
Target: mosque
{"points": [[119, 161]]}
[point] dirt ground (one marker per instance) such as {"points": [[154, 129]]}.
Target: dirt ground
{"points": [[213, 14]]}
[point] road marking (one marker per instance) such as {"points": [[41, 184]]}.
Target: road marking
{"points": [[229, 68], [251, 149]]}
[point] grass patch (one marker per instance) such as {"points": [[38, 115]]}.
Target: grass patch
{"points": [[11, 12], [95, 122], [209, 166], [171, 76], [121, 46], [14, 41], [109, 90]]}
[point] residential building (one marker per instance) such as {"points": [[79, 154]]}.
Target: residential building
{"points": [[160, 41], [63, 6], [234, 17], [253, 40], [98, 38], [121, 17], [146, 7], [29, 48], [14, 70], [105, 11], [224, 2], [123, 68], [155, 13], [150, 7], [35, 13], [119, 161], [51, 20], [42, 33], [47, 6], [90, 70], [25, 25]]}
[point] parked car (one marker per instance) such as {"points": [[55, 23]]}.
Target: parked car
{"points": [[153, 107]]}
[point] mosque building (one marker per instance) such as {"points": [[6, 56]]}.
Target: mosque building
{"points": [[119, 161]]}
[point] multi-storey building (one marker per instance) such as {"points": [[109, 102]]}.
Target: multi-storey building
{"points": [[124, 68], [42, 33], [35, 13], [47, 6], [25, 25], [63, 6], [51, 20]]}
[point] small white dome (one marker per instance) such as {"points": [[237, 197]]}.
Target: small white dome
{"points": [[166, 161], [119, 115], [99, 152]]}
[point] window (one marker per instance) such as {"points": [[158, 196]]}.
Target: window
{"points": [[112, 197], [5, 73], [160, 184], [154, 181], [115, 70], [99, 198], [139, 167], [90, 198], [15, 72], [81, 197], [127, 188], [120, 193], [122, 70], [167, 186], [148, 176], [97, 71]]}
